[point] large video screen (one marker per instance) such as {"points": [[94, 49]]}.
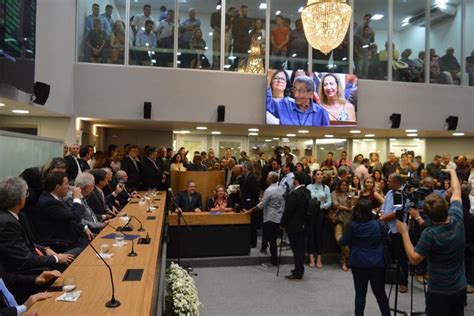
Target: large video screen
{"points": [[300, 98]]}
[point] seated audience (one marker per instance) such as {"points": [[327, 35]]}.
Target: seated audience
{"points": [[220, 202], [189, 200], [450, 64], [100, 203], [18, 252], [55, 220]]}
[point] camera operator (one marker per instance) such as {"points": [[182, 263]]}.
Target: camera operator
{"points": [[442, 243], [388, 213]]}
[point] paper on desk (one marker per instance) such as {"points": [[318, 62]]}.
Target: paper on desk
{"points": [[74, 296], [106, 255]]}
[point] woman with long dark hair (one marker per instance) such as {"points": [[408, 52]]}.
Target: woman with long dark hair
{"points": [[365, 236]]}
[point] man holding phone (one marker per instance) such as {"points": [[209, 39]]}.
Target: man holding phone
{"points": [[442, 243], [393, 205]]}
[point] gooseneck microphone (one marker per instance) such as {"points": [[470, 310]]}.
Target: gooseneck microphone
{"points": [[141, 224], [132, 252], [173, 206], [113, 302]]}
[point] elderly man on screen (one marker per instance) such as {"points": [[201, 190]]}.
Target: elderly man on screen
{"points": [[298, 111]]}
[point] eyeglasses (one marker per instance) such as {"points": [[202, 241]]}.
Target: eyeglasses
{"points": [[280, 79], [300, 91]]}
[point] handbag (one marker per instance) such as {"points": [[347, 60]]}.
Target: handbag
{"points": [[392, 276]]}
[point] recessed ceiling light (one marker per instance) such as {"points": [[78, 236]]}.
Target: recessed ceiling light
{"points": [[300, 9], [20, 111], [303, 131], [268, 140], [458, 134], [412, 135], [377, 17], [253, 130], [276, 138], [355, 131], [201, 128], [329, 136], [411, 130], [278, 12], [185, 132], [262, 6], [369, 135], [291, 135], [2, 104], [215, 133], [367, 140], [393, 139], [253, 134]]}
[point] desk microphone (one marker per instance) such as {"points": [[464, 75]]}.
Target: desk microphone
{"points": [[127, 227], [170, 191], [113, 302], [141, 224]]}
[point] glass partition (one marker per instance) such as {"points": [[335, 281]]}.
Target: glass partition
{"points": [[151, 37], [196, 36], [327, 145], [288, 44], [370, 39], [445, 41], [469, 45], [409, 23], [245, 42], [259, 145], [101, 32]]}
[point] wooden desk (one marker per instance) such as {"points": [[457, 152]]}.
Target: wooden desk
{"points": [[92, 276], [210, 235]]}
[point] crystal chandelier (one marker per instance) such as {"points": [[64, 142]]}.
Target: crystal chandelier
{"points": [[326, 23]]}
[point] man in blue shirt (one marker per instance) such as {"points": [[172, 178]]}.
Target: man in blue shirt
{"points": [[442, 243], [302, 110], [388, 215], [146, 39]]}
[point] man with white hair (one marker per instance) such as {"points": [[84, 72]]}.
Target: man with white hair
{"points": [[86, 182]]}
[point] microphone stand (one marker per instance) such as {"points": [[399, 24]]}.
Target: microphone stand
{"points": [[113, 302], [141, 224], [132, 252]]}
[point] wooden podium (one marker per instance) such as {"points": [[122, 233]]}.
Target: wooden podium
{"points": [[206, 182]]}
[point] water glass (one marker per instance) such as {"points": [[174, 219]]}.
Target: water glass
{"points": [[69, 285], [119, 239]]}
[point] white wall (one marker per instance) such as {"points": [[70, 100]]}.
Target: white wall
{"points": [[441, 146], [412, 37], [55, 46], [141, 138]]}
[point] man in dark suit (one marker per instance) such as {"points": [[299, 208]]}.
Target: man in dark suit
{"points": [[17, 250], [74, 166], [249, 198], [56, 221], [189, 200], [100, 203], [273, 165], [164, 165], [294, 222], [134, 169], [152, 175]]}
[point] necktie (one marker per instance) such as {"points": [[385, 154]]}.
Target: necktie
{"points": [[79, 169], [88, 209], [6, 296], [135, 163]]}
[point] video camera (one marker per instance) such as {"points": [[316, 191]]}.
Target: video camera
{"points": [[411, 192]]}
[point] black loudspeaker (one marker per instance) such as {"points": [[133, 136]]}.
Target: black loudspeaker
{"points": [[395, 118], [41, 92], [221, 113], [452, 123], [147, 110]]}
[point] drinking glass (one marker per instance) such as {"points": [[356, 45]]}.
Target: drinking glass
{"points": [[119, 239], [69, 285]]}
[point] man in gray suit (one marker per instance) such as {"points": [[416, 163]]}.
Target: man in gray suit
{"points": [[86, 182]]}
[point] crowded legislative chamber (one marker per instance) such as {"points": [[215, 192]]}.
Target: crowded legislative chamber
{"points": [[236, 157]]}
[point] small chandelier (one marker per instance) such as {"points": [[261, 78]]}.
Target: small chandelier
{"points": [[326, 23]]}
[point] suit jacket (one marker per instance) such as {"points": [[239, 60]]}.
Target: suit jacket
{"points": [[97, 202], [152, 175], [88, 216], [17, 251], [294, 216], [56, 221], [72, 169], [134, 175], [182, 201], [20, 285], [164, 165], [248, 191]]}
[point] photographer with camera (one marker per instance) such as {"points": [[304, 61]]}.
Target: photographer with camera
{"points": [[392, 207], [442, 243]]}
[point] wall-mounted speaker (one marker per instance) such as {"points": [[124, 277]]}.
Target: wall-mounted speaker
{"points": [[147, 110], [452, 123], [395, 118], [40, 92], [221, 113]]}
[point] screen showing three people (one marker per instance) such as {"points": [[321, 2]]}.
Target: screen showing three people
{"points": [[311, 99]]}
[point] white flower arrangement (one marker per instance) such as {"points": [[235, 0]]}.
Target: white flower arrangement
{"points": [[181, 292]]}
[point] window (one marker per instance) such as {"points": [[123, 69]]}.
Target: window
{"points": [[469, 46], [101, 32]]}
